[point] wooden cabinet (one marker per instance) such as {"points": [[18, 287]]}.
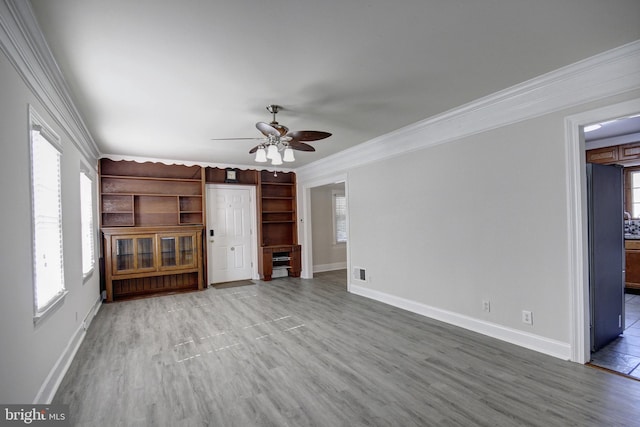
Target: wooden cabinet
{"points": [[632, 264], [629, 151], [275, 258], [604, 155], [626, 155], [144, 260], [150, 194], [278, 231]]}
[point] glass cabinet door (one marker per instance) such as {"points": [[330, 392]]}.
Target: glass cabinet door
{"points": [[145, 252], [187, 250], [168, 255], [133, 253], [124, 254], [177, 250]]}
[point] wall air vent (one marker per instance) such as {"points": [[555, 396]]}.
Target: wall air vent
{"points": [[359, 274]]}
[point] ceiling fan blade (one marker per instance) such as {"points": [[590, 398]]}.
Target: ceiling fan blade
{"points": [[254, 149], [301, 146], [234, 139], [267, 129], [308, 135]]}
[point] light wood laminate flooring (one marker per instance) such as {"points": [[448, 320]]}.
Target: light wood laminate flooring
{"points": [[294, 352]]}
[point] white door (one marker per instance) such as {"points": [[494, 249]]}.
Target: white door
{"points": [[229, 234]]}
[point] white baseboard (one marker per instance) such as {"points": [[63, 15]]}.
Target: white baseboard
{"points": [[52, 382], [561, 350], [329, 267]]}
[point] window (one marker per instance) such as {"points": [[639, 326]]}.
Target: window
{"points": [[632, 192], [86, 222], [46, 192], [339, 218]]}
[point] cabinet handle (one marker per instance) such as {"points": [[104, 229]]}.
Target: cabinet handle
{"points": [[232, 248]]}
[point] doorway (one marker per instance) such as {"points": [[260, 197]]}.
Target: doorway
{"points": [[328, 229], [231, 240], [580, 339], [308, 216], [616, 347]]}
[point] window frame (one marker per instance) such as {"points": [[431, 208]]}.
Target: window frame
{"points": [[335, 194], [85, 171], [37, 124], [628, 189]]}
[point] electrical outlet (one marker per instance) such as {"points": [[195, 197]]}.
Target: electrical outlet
{"points": [[486, 306], [527, 317]]}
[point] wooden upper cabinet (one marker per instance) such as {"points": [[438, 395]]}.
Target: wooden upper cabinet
{"points": [[603, 155], [629, 151], [625, 155], [150, 194]]}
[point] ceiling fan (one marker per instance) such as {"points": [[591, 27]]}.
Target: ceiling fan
{"points": [[278, 138]]}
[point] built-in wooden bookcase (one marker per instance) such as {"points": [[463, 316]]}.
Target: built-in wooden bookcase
{"points": [[278, 231], [277, 198], [152, 217], [149, 194], [147, 260]]}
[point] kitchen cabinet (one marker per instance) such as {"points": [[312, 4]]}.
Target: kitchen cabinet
{"points": [[629, 151], [625, 155], [632, 264], [605, 155]]}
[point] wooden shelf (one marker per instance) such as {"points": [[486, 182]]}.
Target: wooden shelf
{"points": [[151, 178], [150, 194], [278, 223]]}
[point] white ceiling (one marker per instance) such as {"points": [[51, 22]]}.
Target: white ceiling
{"points": [[160, 78]]}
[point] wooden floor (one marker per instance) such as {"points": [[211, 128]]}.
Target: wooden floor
{"points": [[295, 352]]}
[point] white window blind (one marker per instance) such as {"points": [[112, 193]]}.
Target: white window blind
{"points": [[47, 221], [340, 218], [86, 220]]}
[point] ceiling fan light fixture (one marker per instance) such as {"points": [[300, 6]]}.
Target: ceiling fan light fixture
{"points": [[272, 150], [261, 155], [277, 159], [288, 155]]}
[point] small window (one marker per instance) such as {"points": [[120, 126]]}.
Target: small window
{"points": [[46, 192], [632, 192], [339, 218], [86, 222]]}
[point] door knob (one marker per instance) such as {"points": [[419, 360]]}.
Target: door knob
{"points": [[232, 248]]}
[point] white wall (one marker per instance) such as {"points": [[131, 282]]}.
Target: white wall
{"points": [[483, 218], [327, 255], [33, 358], [474, 205]]}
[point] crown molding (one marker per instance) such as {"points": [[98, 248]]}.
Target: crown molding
{"points": [[612, 72], [27, 50], [260, 167]]}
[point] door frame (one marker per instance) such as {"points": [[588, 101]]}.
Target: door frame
{"points": [[305, 218], [577, 216], [253, 222]]}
